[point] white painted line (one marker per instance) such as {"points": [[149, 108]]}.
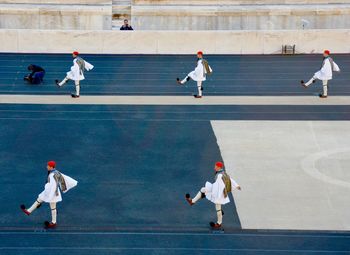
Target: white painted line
{"points": [[287, 234], [308, 164], [173, 100], [173, 249]]}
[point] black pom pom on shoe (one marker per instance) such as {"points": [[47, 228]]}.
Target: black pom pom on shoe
{"points": [[23, 208]]}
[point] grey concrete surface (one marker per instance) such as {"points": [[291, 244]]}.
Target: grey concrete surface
{"points": [[174, 100], [294, 174]]}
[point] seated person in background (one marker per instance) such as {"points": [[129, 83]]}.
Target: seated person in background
{"points": [[36, 76], [126, 26]]}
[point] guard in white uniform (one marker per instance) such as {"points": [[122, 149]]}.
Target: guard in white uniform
{"points": [[199, 74], [76, 73], [216, 192], [56, 182], [325, 74]]}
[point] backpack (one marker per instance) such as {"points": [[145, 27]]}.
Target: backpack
{"points": [[207, 68], [227, 181], [81, 64]]}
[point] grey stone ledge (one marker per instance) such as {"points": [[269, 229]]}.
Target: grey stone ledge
{"points": [[32, 8], [58, 2], [234, 2], [326, 9]]}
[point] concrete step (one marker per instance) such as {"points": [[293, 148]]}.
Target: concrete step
{"points": [[121, 2], [118, 8], [60, 2], [121, 9], [55, 16], [121, 12], [241, 17], [234, 2], [116, 24]]}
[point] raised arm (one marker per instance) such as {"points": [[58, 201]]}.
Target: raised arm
{"points": [[88, 66], [235, 185]]}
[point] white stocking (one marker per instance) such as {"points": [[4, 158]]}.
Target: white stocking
{"points": [[199, 86], [325, 87], [53, 212], [36, 204], [77, 88], [185, 80], [199, 195], [218, 213], [310, 81], [63, 81]]}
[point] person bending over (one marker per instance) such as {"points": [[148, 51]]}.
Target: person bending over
{"points": [[36, 75]]}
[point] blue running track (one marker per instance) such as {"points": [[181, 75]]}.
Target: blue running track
{"points": [[156, 74], [134, 163]]}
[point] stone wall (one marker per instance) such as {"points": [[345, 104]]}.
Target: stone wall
{"points": [[175, 14], [174, 42], [121, 10], [57, 2], [241, 17], [69, 14], [234, 2]]}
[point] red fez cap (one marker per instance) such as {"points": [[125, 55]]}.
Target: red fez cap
{"points": [[51, 164], [219, 164], [200, 53], [76, 53], [327, 52]]}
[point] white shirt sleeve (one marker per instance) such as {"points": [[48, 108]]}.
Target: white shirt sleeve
{"points": [[88, 66], [336, 67], [70, 182], [234, 184]]}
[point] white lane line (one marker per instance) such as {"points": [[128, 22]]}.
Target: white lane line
{"points": [[293, 250], [213, 59], [222, 73], [167, 78], [112, 119], [174, 100], [136, 111], [288, 234], [221, 93]]}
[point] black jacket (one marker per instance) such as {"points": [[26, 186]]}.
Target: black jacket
{"points": [[126, 27]]}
